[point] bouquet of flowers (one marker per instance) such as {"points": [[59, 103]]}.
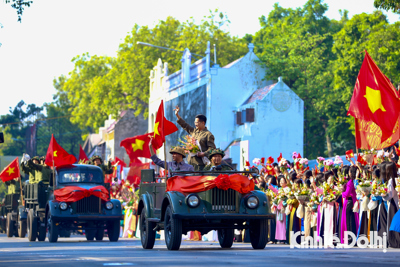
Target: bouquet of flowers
{"points": [[328, 164], [338, 160], [314, 201], [190, 144], [382, 190], [382, 156], [303, 193], [330, 192], [320, 161], [365, 187], [283, 165], [270, 193]]}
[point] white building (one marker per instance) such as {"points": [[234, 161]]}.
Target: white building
{"points": [[248, 116]]}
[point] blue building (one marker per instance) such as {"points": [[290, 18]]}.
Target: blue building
{"points": [[249, 117]]}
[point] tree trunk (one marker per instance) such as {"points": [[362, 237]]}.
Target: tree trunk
{"points": [[328, 140]]}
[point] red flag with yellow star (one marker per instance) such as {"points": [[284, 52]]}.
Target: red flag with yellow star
{"points": [[137, 146], [11, 171], [375, 98], [162, 127], [57, 155]]}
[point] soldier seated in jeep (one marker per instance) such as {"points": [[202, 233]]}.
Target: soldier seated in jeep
{"points": [[215, 157]]}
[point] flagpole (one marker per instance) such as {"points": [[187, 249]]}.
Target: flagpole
{"points": [[355, 127], [20, 185], [54, 177], [165, 161]]}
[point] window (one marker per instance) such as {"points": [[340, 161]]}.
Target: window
{"points": [[239, 118], [246, 115], [249, 114]]}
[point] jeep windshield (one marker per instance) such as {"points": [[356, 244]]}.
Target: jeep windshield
{"points": [[80, 176]]}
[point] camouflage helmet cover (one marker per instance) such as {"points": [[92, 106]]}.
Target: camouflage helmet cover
{"points": [[215, 152]]}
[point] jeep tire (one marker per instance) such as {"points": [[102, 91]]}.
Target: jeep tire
{"points": [[147, 234], [52, 229], [172, 230], [100, 234], [112, 230], [225, 237], [32, 226], [259, 233], [10, 225], [22, 228]]}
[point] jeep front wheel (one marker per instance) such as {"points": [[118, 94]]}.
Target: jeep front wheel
{"points": [[225, 237], [147, 234], [10, 225], [172, 230], [259, 233], [112, 230], [22, 228], [52, 228]]}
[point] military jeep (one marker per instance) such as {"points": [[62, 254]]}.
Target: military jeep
{"points": [[223, 210], [57, 218]]}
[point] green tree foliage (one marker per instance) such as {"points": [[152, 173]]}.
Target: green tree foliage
{"points": [[297, 45], [99, 86], [393, 5], [15, 125], [19, 6]]}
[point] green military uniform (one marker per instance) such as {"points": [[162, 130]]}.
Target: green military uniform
{"points": [[13, 187], [42, 172], [205, 139], [106, 169], [210, 166], [26, 168]]}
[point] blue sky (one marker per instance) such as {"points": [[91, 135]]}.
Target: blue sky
{"points": [[52, 32]]}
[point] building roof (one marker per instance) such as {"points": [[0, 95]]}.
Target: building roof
{"points": [[232, 63], [259, 94]]}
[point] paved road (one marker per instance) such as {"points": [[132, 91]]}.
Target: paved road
{"points": [[76, 251]]}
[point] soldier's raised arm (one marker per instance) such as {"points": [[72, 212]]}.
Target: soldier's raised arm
{"points": [[189, 129]]}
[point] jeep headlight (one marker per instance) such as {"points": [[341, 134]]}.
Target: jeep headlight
{"points": [[63, 206], [252, 202], [193, 200], [109, 205]]}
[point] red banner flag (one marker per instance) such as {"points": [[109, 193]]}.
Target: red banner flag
{"points": [[375, 98], [137, 146], [57, 154], [11, 171], [162, 127], [349, 154], [369, 135], [279, 158], [270, 160], [82, 155]]}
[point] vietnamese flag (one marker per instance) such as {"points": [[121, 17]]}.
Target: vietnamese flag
{"points": [[270, 160], [82, 155], [279, 158], [57, 155], [349, 154], [137, 146], [361, 160], [162, 128], [11, 171], [375, 98]]}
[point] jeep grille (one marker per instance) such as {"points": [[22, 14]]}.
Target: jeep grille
{"points": [[223, 201], [90, 204]]}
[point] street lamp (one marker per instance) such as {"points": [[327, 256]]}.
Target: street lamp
{"points": [[166, 48]]}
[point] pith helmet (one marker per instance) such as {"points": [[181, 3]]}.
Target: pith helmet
{"points": [[178, 150], [96, 157], [36, 157], [215, 152]]}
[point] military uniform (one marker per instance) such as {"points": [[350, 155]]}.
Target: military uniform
{"points": [[212, 167], [42, 172], [13, 187], [173, 165], [106, 169], [27, 168], [205, 139]]}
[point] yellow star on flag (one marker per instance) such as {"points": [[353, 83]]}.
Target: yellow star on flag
{"points": [[10, 171], [55, 153], [156, 129], [138, 145], [374, 99]]}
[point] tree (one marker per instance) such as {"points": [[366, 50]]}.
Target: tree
{"points": [[297, 44], [19, 6], [393, 5], [99, 86], [15, 125]]}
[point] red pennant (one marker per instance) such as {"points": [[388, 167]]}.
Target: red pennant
{"points": [[82, 155]]}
